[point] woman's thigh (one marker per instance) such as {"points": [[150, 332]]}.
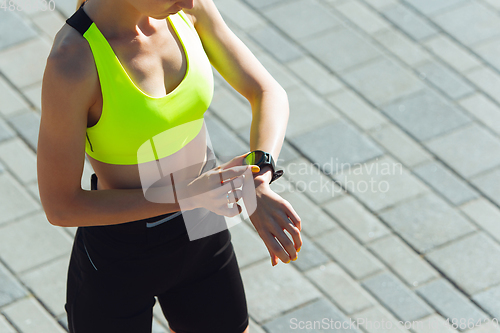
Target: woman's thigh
{"points": [[104, 299], [211, 295]]}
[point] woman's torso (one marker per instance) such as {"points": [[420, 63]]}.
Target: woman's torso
{"points": [[157, 65]]}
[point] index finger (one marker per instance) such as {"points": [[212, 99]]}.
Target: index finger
{"points": [[235, 171]]}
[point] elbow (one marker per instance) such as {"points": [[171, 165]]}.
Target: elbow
{"points": [[58, 214], [273, 89], [56, 218]]}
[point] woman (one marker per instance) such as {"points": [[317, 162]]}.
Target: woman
{"points": [[127, 82]]}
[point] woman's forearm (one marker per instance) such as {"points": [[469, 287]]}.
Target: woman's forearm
{"points": [[270, 112], [111, 206]]}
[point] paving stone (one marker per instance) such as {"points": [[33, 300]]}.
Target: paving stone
{"points": [[224, 141], [468, 150], [243, 36], [471, 262], [356, 219], [23, 64], [362, 16], [309, 180], [487, 80], [347, 294], [263, 3], [490, 51], [314, 220], [34, 95], [50, 22], [488, 184], [5, 326], [483, 109], [395, 296], [430, 7], [158, 313], [277, 71], [48, 283], [66, 7], [382, 81], [287, 154], [254, 327], [158, 328], [400, 144], [426, 222], [86, 175], [14, 200], [380, 183], [307, 112], [490, 327], [445, 80], [13, 29], [380, 4], [356, 109], [230, 109], [408, 21], [309, 319], [310, 256], [30, 317], [403, 47], [339, 139], [275, 43], [378, 320], [445, 182], [348, 253], [5, 131], [11, 100], [248, 245], [315, 76], [471, 23], [21, 240], [401, 259], [451, 52], [10, 288], [426, 115], [431, 324], [302, 19], [272, 290], [239, 13], [484, 214], [450, 302], [27, 125], [341, 49], [20, 159], [488, 300]]}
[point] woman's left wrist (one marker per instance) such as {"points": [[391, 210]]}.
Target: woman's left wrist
{"points": [[264, 176]]}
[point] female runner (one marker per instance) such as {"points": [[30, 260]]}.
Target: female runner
{"points": [[128, 82]]}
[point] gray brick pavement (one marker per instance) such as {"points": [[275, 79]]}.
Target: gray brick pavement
{"points": [[471, 262], [449, 302], [426, 222], [426, 114], [398, 298]]}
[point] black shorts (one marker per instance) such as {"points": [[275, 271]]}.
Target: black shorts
{"points": [[115, 272]]}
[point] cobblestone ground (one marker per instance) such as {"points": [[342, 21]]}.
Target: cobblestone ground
{"points": [[392, 160]]}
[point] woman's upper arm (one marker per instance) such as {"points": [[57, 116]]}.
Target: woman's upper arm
{"points": [[68, 91], [227, 53]]}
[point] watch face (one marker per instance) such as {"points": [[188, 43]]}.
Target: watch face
{"points": [[255, 158]]}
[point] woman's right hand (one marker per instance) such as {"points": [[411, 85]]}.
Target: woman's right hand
{"points": [[214, 189]]}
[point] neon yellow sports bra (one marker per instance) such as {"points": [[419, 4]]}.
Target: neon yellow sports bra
{"points": [[131, 119]]}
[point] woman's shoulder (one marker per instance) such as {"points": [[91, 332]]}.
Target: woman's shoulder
{"points": [[71, 56]]}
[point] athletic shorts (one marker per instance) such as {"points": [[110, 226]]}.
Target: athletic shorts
{"points": [[115, 272]]}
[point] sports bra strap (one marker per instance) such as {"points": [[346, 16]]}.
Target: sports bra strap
{"points": [[80, 20]]}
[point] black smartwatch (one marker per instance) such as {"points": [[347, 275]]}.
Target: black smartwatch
{"points": [[262, 159]]}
